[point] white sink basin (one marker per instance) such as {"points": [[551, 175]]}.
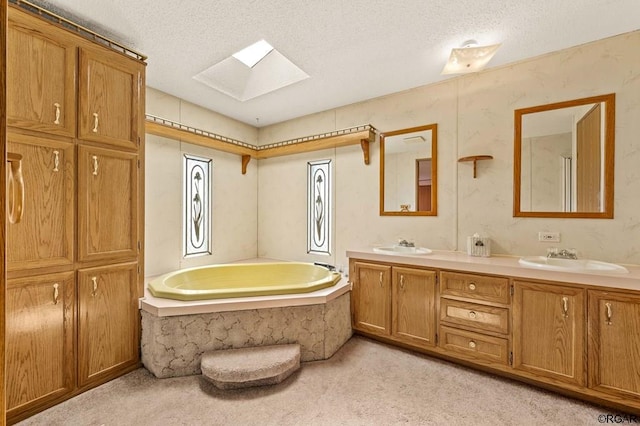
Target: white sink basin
{"points": [[400, 250], [571, 265]]}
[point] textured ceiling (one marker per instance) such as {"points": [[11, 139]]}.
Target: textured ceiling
{"points": [[352, 49]]}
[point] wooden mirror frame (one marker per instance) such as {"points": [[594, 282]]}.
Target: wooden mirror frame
{"points": [[609, 150], [434, 171]]}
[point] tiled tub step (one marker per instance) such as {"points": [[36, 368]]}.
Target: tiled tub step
{"points": [[245, 367]]}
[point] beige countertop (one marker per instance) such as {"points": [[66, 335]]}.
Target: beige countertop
{"points": [[504, 265]]}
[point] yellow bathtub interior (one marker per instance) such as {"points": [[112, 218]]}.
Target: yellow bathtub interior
{"points": [[242, 280]]}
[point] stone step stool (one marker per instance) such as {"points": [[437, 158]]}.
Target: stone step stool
{"points": [[246, 367]]}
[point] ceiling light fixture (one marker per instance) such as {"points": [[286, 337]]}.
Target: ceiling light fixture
{"points": [[469, 58], [253, 54]]}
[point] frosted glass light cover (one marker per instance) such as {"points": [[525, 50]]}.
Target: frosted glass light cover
{"points": [[469, 59]]}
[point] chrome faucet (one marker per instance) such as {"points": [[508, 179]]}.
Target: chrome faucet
{"points": [[405, 243], [554, 253]]}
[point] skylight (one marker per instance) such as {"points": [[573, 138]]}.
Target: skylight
{"points": [[253, 54]]}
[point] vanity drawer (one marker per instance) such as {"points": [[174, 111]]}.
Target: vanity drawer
{"points": [[479, 287], [476, 345], [481, 317]]}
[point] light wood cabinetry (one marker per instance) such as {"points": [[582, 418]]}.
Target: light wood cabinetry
{"points": [[475, 317], [578, 339], [614, 343], [110, 89], [82, 215], [44, 236], [107, 204], [549, 331], [371, 301], [39, 341], [41, 76], [413, 306], [394, 302], [107, 311]]}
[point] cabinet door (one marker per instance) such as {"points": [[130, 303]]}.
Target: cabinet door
{"points": [[44, 236], [39, 340], [109, 96], [371, 298], [413, 306], [614, 343], [548, 331], [41, 76], [107, 204], [107, 321]]}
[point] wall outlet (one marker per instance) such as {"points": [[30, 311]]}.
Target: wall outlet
{"points": [[551, 237]]}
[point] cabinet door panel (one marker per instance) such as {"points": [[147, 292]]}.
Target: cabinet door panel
{"points": [[44, 236], [41, 64], [614, 344], [413, 306], [107, 204], [110, 106], [39, 340], [107, 321], [548, 331], [371, 301]]}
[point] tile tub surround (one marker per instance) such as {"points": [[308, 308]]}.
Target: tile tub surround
{"points": [[173, 345]]}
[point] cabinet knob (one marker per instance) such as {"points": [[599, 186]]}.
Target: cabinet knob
{"points": [[401, 281], [472, 315], [472, 286], [565, 306], [472, 344], [381, 277], [57, 120], [15, 189]]}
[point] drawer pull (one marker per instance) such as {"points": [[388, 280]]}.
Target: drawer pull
{"points": [[472, 286], [56, 161], [472, 344], [565, 306], [472, 315], [57, 120], [95, 123], [95, 165], [55, 294], [94, 280], [608, 313], [381, 277], [401, 281]]}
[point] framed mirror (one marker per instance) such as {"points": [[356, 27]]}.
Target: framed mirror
{"points": [[564, 159], [408, 172]]}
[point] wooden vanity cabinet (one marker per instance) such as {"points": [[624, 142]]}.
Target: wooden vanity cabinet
{"points": [[40, 332], [394, 302], [475, 317], [41, 76], [549, 331], [371, 298], [413, 309], [614, 343], [45, 235], [110, 90]]}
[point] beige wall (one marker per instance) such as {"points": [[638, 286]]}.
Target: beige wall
{"points": [[474, 114], [234, 195]]}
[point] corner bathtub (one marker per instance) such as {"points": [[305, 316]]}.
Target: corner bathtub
{"points": [[243, 280], [242, 305]]}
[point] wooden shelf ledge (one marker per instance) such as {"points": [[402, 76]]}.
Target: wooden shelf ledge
{"points": [[363, 135], [474, 159]]}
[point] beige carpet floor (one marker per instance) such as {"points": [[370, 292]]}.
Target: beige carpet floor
{"points": [[364, 383]]}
